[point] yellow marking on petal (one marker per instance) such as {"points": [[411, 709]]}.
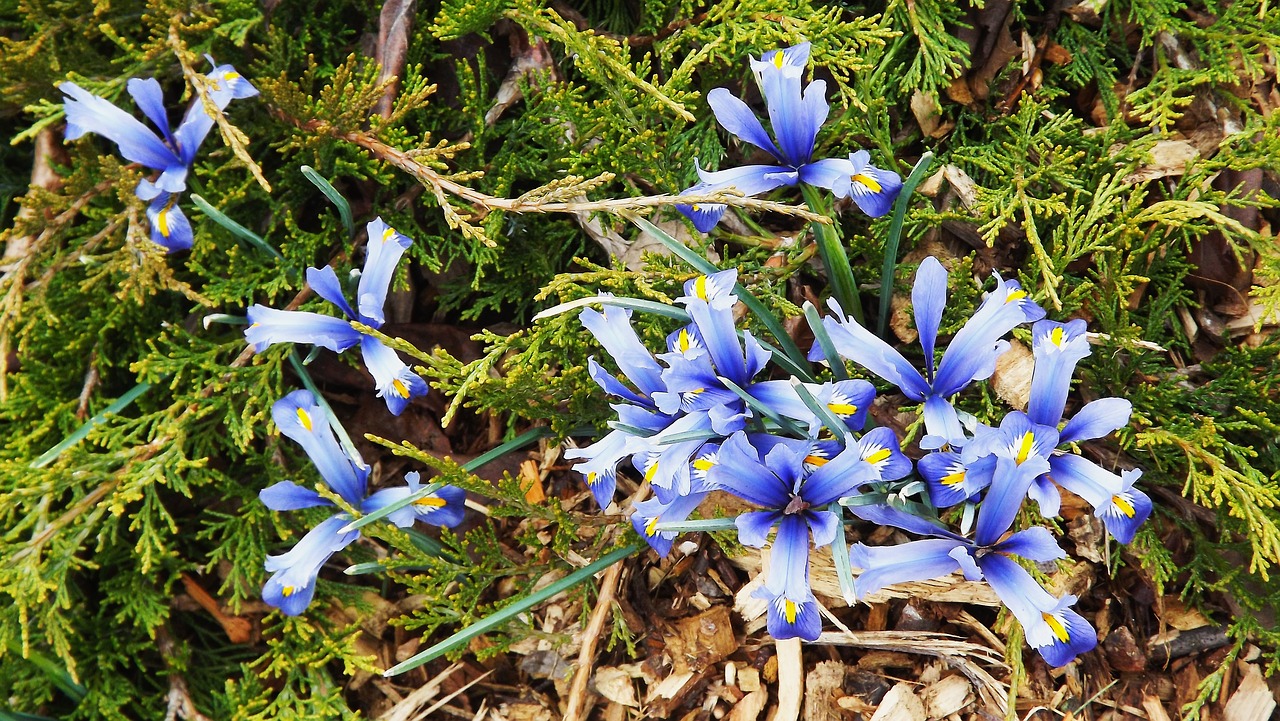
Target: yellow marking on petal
{"points": [[877, 456], [1056, 336], [1025, 446], [703, 464], [231, 76], [431, 501], [593, 478], [651, 528], [683, 341], [162, 222], [778, 59], [653, 471], [304, 418], [1056, 626], [400, 388], [842, 409], [700, 287], [1124, 505], [697, 208], [816, 460], [953, 479], [869, 182], [789, 610], [388, 234], [696, 392], [1016, 295], [287, 591]]}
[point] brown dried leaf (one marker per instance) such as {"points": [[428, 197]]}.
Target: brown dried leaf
{"points": [[395, 26]]}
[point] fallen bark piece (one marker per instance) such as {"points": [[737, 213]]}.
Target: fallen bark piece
{"points": [[749, 708], [822, 686], [615, 685], [702, 640], [1155, 709], [900, 704]]}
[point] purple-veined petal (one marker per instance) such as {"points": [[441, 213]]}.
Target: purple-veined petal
{"points": [[395, 382], [600, 463], [268, 326], [1057, 347], [928, 298], [740, 471], [293, 580], [880, 448], [1097, 419], [301, 419], [823, 526], [1004, 497], [754, 527], [840, 477], [169, 225], [913, 561], [1034, 544], [734, 116], [686, 341], [289, 496], [716, 289], [324, 281], [826, 173], [863, 347], [149, 98], [612, 329], [1050, 626], [382, 254], [88, 113]]}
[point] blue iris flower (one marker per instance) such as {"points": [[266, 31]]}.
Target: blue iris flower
{"points": [[171, 153], [794, 485], [395, 382], [293, 574], [649, 513], [971, 356], [795, 113], [1050, 625], [1057, 347]]}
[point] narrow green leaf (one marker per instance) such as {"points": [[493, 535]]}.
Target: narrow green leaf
{"points": [[702, 265], [506, 614], [648, 306], [840, 556], [519, 441], [838, 427], [330, 192], [820, 334], [702, 524], [895, 237], [116, 406], [242, 232], [834, 258]]}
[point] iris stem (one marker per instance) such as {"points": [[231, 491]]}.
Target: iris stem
{"points": [[895, 238], [834, 258]]}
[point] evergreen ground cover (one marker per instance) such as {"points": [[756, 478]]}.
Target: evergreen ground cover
{"points": [[1117, 158]]}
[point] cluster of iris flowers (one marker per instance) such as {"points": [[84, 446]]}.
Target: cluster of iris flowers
{"points": [[698, 419], [170, 153]]}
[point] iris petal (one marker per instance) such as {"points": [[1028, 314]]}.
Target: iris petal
{"points": [[324, 281], [301, 419], [734, 116], [169, 225], [88, 113], [928, 298], [289, 496], [293, 581], [1097, 419], [395, 382], [268, 326], [912, 561], [383, 249], [1057, 347]]}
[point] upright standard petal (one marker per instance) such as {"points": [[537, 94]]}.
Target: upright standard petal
{"points": [[383, 252], [1057, 347], [971, 354], [855, 343], [928, 298], [169, 225], [734, 116], [1097, 419], [268, 326], [149, 98], [395, 382], [293, 581], [88, 113], [612, 329], [301, 419], [324, 281]]}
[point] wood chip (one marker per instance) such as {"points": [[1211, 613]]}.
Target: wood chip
{"points": [[1155, 709], [1252, 700], [669, 687], [947, 696], [749, 708], [700, 641], [615, 685], [822, 686], [1168, 157], [900, 704], [749, 679]]}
